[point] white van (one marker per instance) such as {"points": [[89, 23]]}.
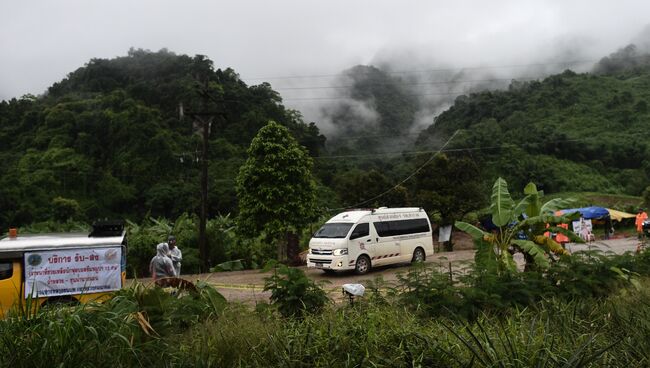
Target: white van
{"points": [[360, 239]]}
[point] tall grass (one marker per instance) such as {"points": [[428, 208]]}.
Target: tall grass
{"points": [[580, 313], [557, 334]]}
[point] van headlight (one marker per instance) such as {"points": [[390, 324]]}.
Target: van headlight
{"points": [[340, 252]]}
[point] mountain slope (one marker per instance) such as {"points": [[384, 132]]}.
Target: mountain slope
{"points": [[107, 140], [568, 132]]}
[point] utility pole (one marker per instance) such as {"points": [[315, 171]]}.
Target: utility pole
{"points": [[203, 246], [202, 121]]}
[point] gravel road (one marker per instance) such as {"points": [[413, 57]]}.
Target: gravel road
{"points": [[247, 286]]}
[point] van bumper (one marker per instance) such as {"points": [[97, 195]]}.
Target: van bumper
{"points": [[329, 262]]}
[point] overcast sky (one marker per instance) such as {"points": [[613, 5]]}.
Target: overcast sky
{"points": [[42, 41]]}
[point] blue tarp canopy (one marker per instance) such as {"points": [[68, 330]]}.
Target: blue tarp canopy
{"points": [[586, 212], [589, 212]]}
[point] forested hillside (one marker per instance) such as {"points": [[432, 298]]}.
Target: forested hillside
{"points": [[567, 132], [108, 141]]}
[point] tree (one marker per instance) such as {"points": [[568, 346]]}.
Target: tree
{"points": [[275, 188], [646, 197], [356, 186], [448, 186], [64, 209], [521, 227]]}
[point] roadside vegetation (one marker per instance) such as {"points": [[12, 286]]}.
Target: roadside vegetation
{"points": [[589, 309]]}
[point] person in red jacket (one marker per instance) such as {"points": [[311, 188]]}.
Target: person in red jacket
{"points": [[561, 238], [640, 218]]}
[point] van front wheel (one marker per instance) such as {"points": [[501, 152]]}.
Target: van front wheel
{"points": [[418, 255], [363, 265]]}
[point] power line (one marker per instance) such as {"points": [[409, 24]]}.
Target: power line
{"points": [[435, 70], [455, 93], [451, 93], [403, 181], [466, 149], [117, 176], [415, 83], [335, 139]]}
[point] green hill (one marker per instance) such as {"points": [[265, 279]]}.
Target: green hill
{"points": [[107, 140], [568, 132]]}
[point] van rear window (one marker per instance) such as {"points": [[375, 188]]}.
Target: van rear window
{"points": [[6, 270], [401, 227]]}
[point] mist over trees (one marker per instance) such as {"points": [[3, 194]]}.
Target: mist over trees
{"points": [[107, 140]]}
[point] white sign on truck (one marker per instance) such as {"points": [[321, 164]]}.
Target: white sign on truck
{"points": [[72, 271]]}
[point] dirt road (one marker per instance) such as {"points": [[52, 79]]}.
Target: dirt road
{"points": [[247, 286]]}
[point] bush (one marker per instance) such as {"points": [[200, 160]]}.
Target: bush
{"points": [[64, 209], [293, 293]]}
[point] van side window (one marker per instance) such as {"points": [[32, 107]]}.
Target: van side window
{"points": [[359, 231], [381, 228], [6, 269], [401, 227]]}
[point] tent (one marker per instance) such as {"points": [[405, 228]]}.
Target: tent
{"points": [[619, 215], [589, 212]]}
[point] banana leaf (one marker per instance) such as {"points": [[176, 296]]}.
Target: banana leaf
{"points": [[502, 203], [470, 229], [534, 250]]}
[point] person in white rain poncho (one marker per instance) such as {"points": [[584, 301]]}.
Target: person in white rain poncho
{"points": [[161, 265], [175, 254]]}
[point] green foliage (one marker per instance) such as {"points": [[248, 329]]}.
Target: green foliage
{"points": [[55, 227], [429, 291], [581, 312], [553, 333], [358, 186], [646, 197], [109, 137], [64, 209], [502, 205], [567, 132], [128, 330], [223, 243], [448, 189], [527, 218], [294, 293], [275, 188]]}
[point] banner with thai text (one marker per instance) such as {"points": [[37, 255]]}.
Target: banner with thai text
{"points": [[72, 271]]}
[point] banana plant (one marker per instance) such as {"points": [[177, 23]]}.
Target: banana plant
{"points": [[520, 228]]}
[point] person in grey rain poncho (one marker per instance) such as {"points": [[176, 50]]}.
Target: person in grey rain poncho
{"points": [[161, 265], [175, 254]]}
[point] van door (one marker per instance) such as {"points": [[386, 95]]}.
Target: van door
{"points": [[360, 242], [386, 247]]}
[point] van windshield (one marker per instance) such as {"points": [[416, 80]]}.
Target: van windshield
{"points": [[334, 230]]}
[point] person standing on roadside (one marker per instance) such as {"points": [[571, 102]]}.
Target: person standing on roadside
{"points": [[161, 265], [175, 254], [641, 216]]}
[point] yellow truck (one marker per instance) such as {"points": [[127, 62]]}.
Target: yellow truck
{"points": [[61, 268]]}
